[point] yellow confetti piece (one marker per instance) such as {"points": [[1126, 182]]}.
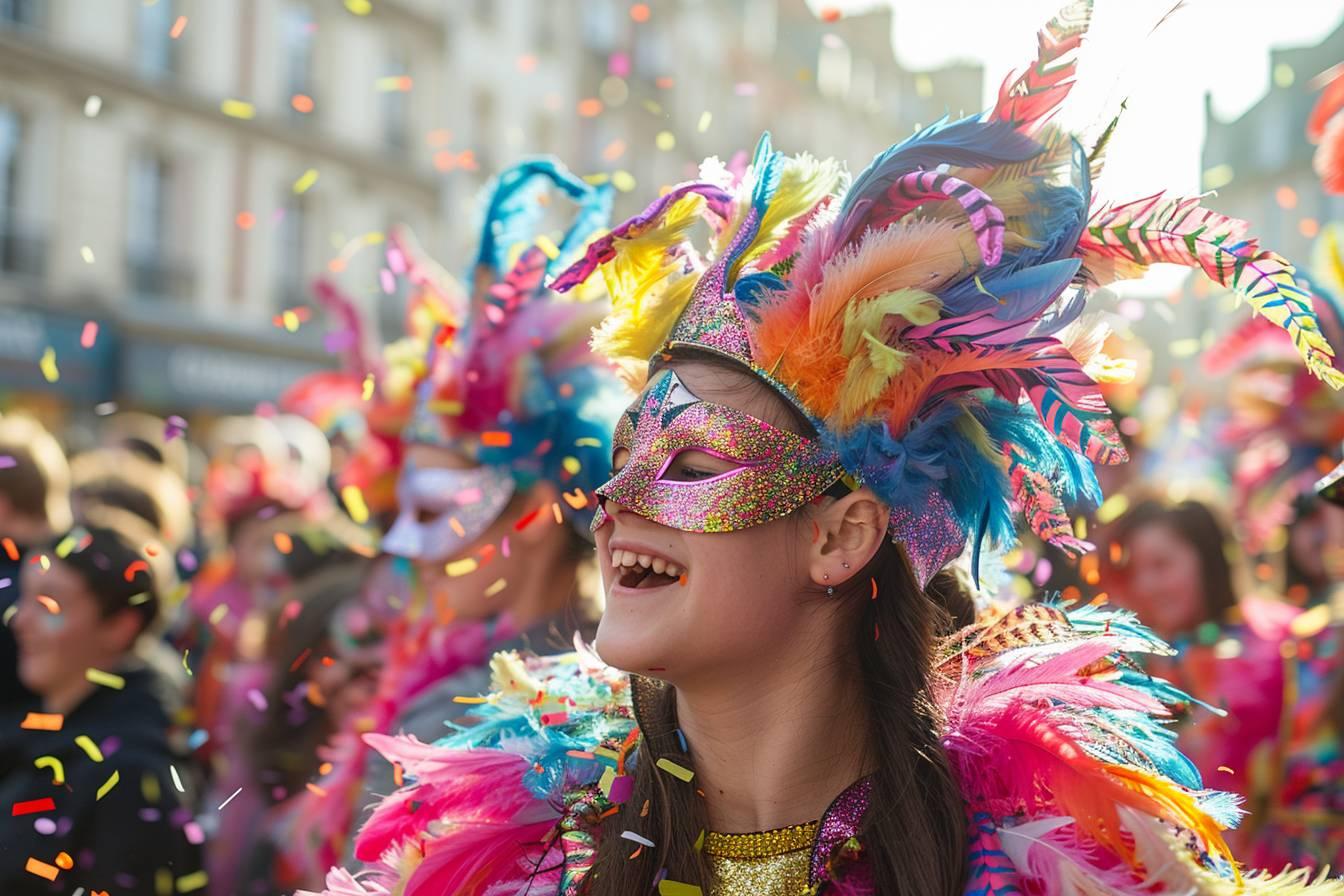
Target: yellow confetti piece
{"points": [[305, 181], [238, 109], [496, 586], [193, 881], [163, 882], [353, 499], [676, 888], [86, 253], [680, 772], [604, 783], [1111, 509], [393, 83], [471, 700], [623, 180], [291, 320], [1184, 348], [218, 613], [106, 679], [1311, 622], [149, 788], [666, 141], [446, 407], [587, 442], [367, 393], [462, 567], [48, 364], [108, 785], [548, 246], [56, 766], [571, 465], [66, 546], [705, 118], [85, 743]]}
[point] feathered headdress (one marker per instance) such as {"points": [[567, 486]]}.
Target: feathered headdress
{"points": [[511, 381], [925, 316]]}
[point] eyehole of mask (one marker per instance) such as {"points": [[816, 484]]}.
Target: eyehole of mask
{"points": [[619, 458], [694, 465]]}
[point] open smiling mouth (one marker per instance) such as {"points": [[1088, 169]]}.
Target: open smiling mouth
{"points": [[643, 571]]}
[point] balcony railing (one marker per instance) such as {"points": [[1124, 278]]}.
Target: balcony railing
{"points": [[152, 277], [23, 251]]}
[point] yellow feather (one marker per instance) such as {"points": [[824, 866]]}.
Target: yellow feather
{"points": [[803, 183], [869, 328], [1327, 261], [647, 285]]}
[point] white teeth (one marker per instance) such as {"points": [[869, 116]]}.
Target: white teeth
{"points": [[623, 559], [659, 565], [645, 560], [673, 570]]}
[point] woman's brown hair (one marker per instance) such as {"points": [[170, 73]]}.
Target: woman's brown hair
{"points": [[913, 833]]}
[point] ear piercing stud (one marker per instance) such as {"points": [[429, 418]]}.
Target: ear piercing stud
{"points": [[844, 564]]}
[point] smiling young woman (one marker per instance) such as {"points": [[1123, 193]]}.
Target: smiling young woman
{"points": [[859, 385]]}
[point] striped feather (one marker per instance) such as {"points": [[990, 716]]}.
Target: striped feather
{"points": [[1033, 96]]}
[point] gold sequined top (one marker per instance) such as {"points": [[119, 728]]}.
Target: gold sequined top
{"points": [[769, 863]]}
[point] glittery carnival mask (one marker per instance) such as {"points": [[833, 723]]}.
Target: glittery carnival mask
{"points": [[774, 471], [458, 504]]}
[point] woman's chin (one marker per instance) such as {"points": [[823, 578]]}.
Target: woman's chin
{"points": [[630, 643]]}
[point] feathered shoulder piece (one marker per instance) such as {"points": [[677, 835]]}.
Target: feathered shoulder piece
{"points": [[513, 799], [925, 315], [1070, 771]]}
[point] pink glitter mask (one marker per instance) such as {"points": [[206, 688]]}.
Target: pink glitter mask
{"points": [[472, 499], [774, 471]]}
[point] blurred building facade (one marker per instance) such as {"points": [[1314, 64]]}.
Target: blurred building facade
{"points": [[177, 171]]}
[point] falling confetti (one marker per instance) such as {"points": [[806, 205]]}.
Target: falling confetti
{"points": [[32, 807], [92, 106], [178, 27], [238, 109], [89, 335], [86, 253], [43, 721], [108, 785], [245, 220], [353, 499], [666, 141], [680, 772], [48, 365], [41, 869], [359, 7], [106, 679], [675, 888], [230, 799], [56, 766], [173, 427], [705, 118], [305, 181]]}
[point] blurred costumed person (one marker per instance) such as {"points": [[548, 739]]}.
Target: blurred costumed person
{"points": [[508, 438], [266, 501], [102, 784], [1176, 566], [1305, 823], [34, 506], [856, 387]]}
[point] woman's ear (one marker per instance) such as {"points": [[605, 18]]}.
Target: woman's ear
{"points": [[848, 533]]}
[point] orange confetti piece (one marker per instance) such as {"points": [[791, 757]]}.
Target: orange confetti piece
{"points": [[178, 27], [640, 12], [497, 439], [50, 603], [11, 549], [830, 14], [398, 776], [590, 107], [315, 789], [64, 861], [302, 103], [43, 721], [245, 220], [135, 567], [283, 543], [41, 869]]}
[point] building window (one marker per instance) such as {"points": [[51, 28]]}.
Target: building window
{"points": [[22, 13], [298, 31], [156, 51], [151, 270], [395, 101], [22, 251], [291, 246]]}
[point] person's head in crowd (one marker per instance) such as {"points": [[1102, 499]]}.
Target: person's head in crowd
{"points": [[513, 418], [118, 477], [34, 482], [324, 652], [149, 437], [86, 605], [1314, 557], [1172, 564]]}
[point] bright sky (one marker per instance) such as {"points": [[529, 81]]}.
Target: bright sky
{"points": [[1207, 45]]}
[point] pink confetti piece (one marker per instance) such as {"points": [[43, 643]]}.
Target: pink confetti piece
{"points": [[90, 334], [387, 281], [257, 699], [618, 64], [7, 461], [173, 427], [746, 88]]}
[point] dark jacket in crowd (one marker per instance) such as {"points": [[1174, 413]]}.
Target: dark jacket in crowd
{"points": [[12, 691], [133, 841]]}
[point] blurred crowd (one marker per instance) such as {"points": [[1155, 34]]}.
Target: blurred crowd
{"points": [[227, 613]]}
